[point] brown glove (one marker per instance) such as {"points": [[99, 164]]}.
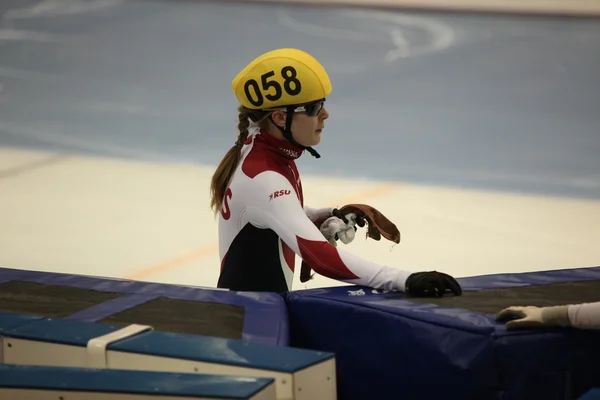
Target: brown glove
{"points": [[377, 226]]}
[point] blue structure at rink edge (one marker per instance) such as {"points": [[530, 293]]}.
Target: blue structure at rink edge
{"points": [[259, 317], [28, 382], [592, 394], [383, 345], [296, 374], [389, 347]]}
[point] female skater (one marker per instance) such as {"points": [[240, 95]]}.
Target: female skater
{"points": [[257, 190]]}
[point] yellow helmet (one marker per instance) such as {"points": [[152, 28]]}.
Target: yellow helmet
{"points": [[281, 78]]}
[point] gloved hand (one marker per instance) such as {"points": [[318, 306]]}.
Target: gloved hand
{"points": [[340, 227], [431, 284], [534, 317], [356, 217], [377, 224]]}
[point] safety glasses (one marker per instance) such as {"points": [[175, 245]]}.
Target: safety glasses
{"points": [[311, 109]]}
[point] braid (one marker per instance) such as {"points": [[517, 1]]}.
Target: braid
{"points": [[243, 125], [226, 168]]}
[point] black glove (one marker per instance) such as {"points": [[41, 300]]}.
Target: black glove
{"points": [[431, 284]]}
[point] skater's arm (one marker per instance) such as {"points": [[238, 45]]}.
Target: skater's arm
{"points": [[285, 215], [585, 315], [317, 213]]}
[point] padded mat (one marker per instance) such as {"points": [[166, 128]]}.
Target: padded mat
{"points": [[183, 316], [453, 346], [49, 301], [259, 317], [491, 301]]}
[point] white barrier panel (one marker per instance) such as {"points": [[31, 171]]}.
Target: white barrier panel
{"points": [[19, 382], [542, 7], [299, 374]]}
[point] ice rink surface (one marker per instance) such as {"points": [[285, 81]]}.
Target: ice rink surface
{"points": [[441, 104]]}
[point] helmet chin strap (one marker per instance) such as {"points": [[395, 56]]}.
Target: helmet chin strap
{"points": [[287, 132]]}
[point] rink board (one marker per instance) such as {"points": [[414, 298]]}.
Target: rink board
{"points": [[416, 348], [298, 374], [21, 382], [592, 394], [256, 317]]}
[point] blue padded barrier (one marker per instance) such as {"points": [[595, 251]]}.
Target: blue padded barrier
{"points": [[222, 351], [265, 315], [592, 394], [9, 320], [150, 383], [411, 349], [66, 343]]}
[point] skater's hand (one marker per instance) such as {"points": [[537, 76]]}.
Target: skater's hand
{"points": [[432, 284], [534, 317], [355, 217], [340, 227], [377, 224]]}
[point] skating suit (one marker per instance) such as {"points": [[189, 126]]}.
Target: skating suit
{"points": [[264, 224]]}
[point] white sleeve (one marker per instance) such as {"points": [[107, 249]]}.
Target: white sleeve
{"points": [[585, 316], [315, 213], [284, 214]]}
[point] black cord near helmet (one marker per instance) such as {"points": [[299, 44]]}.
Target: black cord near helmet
{"points": [[287, 131]]}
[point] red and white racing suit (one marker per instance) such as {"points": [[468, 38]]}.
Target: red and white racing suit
{"points": [[264, 223]]}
